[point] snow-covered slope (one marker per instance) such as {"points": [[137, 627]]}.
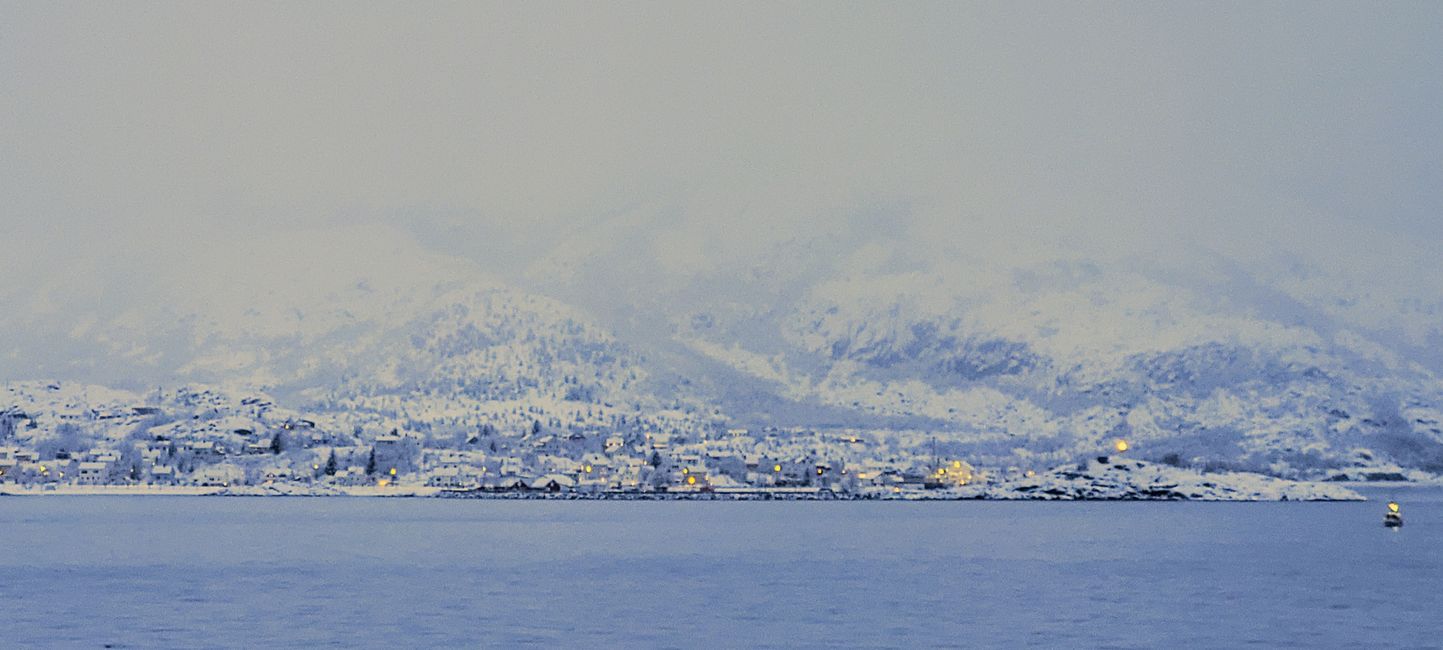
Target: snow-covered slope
{"points": [[364, 321], [1013, 357], [1061, 354], [1206, 387]]}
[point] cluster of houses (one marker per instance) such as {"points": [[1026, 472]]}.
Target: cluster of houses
{"points": [[210, 439], [614, 463], [25, 466]]}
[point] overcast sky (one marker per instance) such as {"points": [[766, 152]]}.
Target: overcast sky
{"points": [[132, 126]]}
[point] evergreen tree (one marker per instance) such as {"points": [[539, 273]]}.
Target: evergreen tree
{"points": [[276, 445], [331, 464], [371, 463]]}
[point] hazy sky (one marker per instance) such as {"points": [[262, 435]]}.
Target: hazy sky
{"points": [[486, 128], [159, 115]]}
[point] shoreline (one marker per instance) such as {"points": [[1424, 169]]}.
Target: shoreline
{"points": [[424, 492]]}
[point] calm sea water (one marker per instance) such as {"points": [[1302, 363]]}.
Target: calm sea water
{"points": [[155, 572]]}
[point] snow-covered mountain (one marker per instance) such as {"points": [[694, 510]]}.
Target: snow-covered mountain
{"points": [[1010, 357], [1066, 357], [1272, 357], [360, 320]]}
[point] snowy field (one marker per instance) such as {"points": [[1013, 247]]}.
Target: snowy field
{"points": [[186, 572]]}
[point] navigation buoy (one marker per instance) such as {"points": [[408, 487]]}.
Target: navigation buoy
{"points": [[1393, 518]]}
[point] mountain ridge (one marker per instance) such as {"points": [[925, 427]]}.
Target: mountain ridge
{"points": [[1040, 360]]}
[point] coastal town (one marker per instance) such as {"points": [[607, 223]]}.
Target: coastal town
{"points": [[207, 441], [249, 442]]}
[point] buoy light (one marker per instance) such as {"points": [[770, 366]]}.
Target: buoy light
{"points": [[1121, 445], [1393, 506]]}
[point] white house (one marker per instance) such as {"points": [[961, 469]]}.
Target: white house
{"points": [[222, 475], [354, 475], [8, 462], [92, 473], [164, 474], [205, 450], [452, 477]]}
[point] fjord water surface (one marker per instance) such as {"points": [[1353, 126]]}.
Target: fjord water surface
{"points": [[163, 572]]}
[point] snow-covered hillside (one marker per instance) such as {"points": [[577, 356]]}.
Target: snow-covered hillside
{"points": [[1063, 354], [1012, 358], [1072, 366]]}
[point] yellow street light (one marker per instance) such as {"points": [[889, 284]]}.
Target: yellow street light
{"points": [[393, 471], [1121, 445], [777, 468], [691, 480], [956, 464]]}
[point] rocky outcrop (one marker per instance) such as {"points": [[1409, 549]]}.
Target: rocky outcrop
{"points": [[1120, 479]]}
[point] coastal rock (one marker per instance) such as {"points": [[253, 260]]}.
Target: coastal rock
{"points": [[1119, 479]]}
